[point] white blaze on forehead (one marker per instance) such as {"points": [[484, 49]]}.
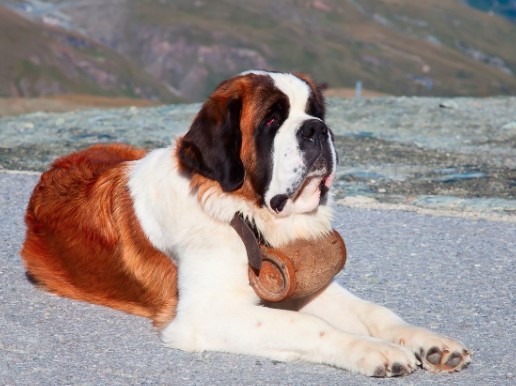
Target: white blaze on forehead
{"points": [[297, 90], [289, 167], [287, 158]]}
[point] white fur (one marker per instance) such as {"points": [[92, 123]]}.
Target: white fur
{"points": [[288, 163], [218, 309]]}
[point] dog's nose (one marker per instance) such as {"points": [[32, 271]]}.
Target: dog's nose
{"points": [[312, 130], [278, 202]]}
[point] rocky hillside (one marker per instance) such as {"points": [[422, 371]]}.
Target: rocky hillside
{"points": [[39, 59], [403, 47], [452, 154]]}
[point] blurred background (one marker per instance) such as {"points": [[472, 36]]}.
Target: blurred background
{"points": [[57, 55]]}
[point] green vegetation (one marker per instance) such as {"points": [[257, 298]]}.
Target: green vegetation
{"points": [[402, 47], [411, 40]]}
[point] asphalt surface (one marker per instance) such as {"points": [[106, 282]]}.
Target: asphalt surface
{"points": [[451, 274]]}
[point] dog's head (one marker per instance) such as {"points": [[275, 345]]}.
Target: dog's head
{"points": [[262, 135]]}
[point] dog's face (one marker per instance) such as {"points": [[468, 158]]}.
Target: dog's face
{"points": [[261, 135]]}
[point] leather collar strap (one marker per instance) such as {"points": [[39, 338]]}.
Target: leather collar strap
{"points": [[254, 255]]}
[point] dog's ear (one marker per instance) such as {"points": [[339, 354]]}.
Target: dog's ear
{"points": [[212, 145]]}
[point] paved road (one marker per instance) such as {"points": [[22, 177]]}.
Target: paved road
{"points": [[454, 275]]}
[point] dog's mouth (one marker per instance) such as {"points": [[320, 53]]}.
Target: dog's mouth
{"points": [[306, 198]]}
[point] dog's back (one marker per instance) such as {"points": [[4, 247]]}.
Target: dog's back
{"points": [[76, 218]]}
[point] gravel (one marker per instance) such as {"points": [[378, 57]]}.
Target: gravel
{"points": [[435, 153]]}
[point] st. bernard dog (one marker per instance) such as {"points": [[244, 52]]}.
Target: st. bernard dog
{"points": [[149, 234]]}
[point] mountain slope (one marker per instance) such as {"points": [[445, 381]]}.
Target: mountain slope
{"points": [[436, 47], [40, 60]]}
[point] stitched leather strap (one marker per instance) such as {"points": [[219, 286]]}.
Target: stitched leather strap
{"points": [[254, 255]]}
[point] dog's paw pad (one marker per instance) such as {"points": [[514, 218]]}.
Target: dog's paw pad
{"points": [[443, 360], [454, 360], [435, 353], [380, 372], [396, 370], [381, 359], [434, 356]]}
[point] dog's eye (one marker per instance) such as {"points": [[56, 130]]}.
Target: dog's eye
{"points": [[271, 122], [274, 117]]}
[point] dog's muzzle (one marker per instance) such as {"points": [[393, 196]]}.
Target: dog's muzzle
{"points": [[316, 146]]}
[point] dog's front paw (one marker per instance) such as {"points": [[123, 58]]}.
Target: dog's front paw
{"points": [[444, 358], [377, 358], [435, 352]]}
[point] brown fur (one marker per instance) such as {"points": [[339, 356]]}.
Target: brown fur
{"points": [[253, 111], [84, 241], [83, 238]]}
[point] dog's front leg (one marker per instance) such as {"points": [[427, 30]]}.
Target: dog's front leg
{"points": [[286, 336], [350, 313], [218, 311]]}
